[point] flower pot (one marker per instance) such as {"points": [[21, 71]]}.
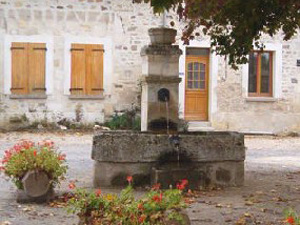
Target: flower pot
{"points": [[36, 187], [162, 36]]}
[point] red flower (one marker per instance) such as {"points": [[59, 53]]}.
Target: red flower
{"points": [[184, 182], [2, 168], [290, 220], [129, 179], [142, 218], [34, 152], [180, 186], [157, 198], [141, 206], [27, 144], [17, 148], [98, 192], [62, 157], [46, 143], [72, 185], [156, 187]]}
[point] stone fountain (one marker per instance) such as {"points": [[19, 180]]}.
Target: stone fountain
{"points": [[159, 153]]}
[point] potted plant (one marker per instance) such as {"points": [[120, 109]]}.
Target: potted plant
{"points": [[157, 207], [35, 169]]}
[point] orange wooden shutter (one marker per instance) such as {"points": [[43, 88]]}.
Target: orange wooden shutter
{"points": [[78, 67], [37, 71], [19, 52], [94, 69]]}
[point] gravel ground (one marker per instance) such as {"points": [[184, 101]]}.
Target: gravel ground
{"points": [[272, 183]]}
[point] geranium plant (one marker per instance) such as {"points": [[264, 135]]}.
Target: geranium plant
{"points": [[291, 217], [28, 156], [156, 207]]}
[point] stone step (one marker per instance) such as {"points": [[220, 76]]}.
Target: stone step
{"points": [[200, 126]]}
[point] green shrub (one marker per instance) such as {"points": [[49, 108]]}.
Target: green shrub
{"points": [[96, 208], [129, 120]]}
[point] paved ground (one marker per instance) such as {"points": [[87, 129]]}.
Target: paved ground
{"points": [[272, 184]]}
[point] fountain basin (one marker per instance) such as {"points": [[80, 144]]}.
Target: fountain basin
{"points": [[213, 158]]}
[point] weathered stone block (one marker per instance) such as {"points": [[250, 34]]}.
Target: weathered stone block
{"points": [[205, 158], [37, 188]]}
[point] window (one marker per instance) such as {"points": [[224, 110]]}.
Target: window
{"points": [[28, 68], [260, 74], [86, 69], [196, 75]]}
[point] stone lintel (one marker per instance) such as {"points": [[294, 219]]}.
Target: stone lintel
{"points": [[156, 79]]}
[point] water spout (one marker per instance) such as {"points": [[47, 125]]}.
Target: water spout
{"points": [[167, 112], [175, 141]]}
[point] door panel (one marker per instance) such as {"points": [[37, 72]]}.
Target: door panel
{"points": [[196, 89]]}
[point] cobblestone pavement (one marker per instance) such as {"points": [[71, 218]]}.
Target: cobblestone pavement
{"points": [[272, 183]]}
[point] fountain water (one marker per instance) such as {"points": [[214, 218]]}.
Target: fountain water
{"points": [[160, 154]]}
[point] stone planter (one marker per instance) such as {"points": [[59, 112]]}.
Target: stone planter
{"points": [[37, 188], [162, 36]]}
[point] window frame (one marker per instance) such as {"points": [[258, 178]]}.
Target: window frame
{"points": [[8, 40], [87, 49], [107, 62], [276, 48], [258, 76]]}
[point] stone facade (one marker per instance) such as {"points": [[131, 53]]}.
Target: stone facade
{"points": [[122, 27]]}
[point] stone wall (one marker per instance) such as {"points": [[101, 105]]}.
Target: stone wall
{"points": [[280, 115], [120, 22]]}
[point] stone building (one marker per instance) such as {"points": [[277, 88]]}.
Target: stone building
{"points": [[80, 60]]}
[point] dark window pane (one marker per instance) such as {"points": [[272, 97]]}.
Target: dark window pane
{"points": [[265, 72], [190, 84], [197, 51], [196, 84], [202, 84], [202, 67], [202, 75], [196, 76], [196, 66], [252, 72], [190, 66], [190, 75]]}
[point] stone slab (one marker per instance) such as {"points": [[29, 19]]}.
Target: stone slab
{"points": [[127, 146]]}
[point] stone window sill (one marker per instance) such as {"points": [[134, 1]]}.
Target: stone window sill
{"points": [[41, 96], [86, 97], [261, 99]]}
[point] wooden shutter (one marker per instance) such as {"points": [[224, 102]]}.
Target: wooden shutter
{"points": [[78, 67], [37, 71], [94, 69], [19, 52]]}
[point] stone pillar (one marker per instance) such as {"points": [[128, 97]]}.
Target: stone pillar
{"points": [[160, 81]]}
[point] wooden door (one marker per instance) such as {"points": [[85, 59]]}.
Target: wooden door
{"points": [[196, 88]]}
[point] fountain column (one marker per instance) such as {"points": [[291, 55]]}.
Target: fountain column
{"points": [[160, 81]]}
